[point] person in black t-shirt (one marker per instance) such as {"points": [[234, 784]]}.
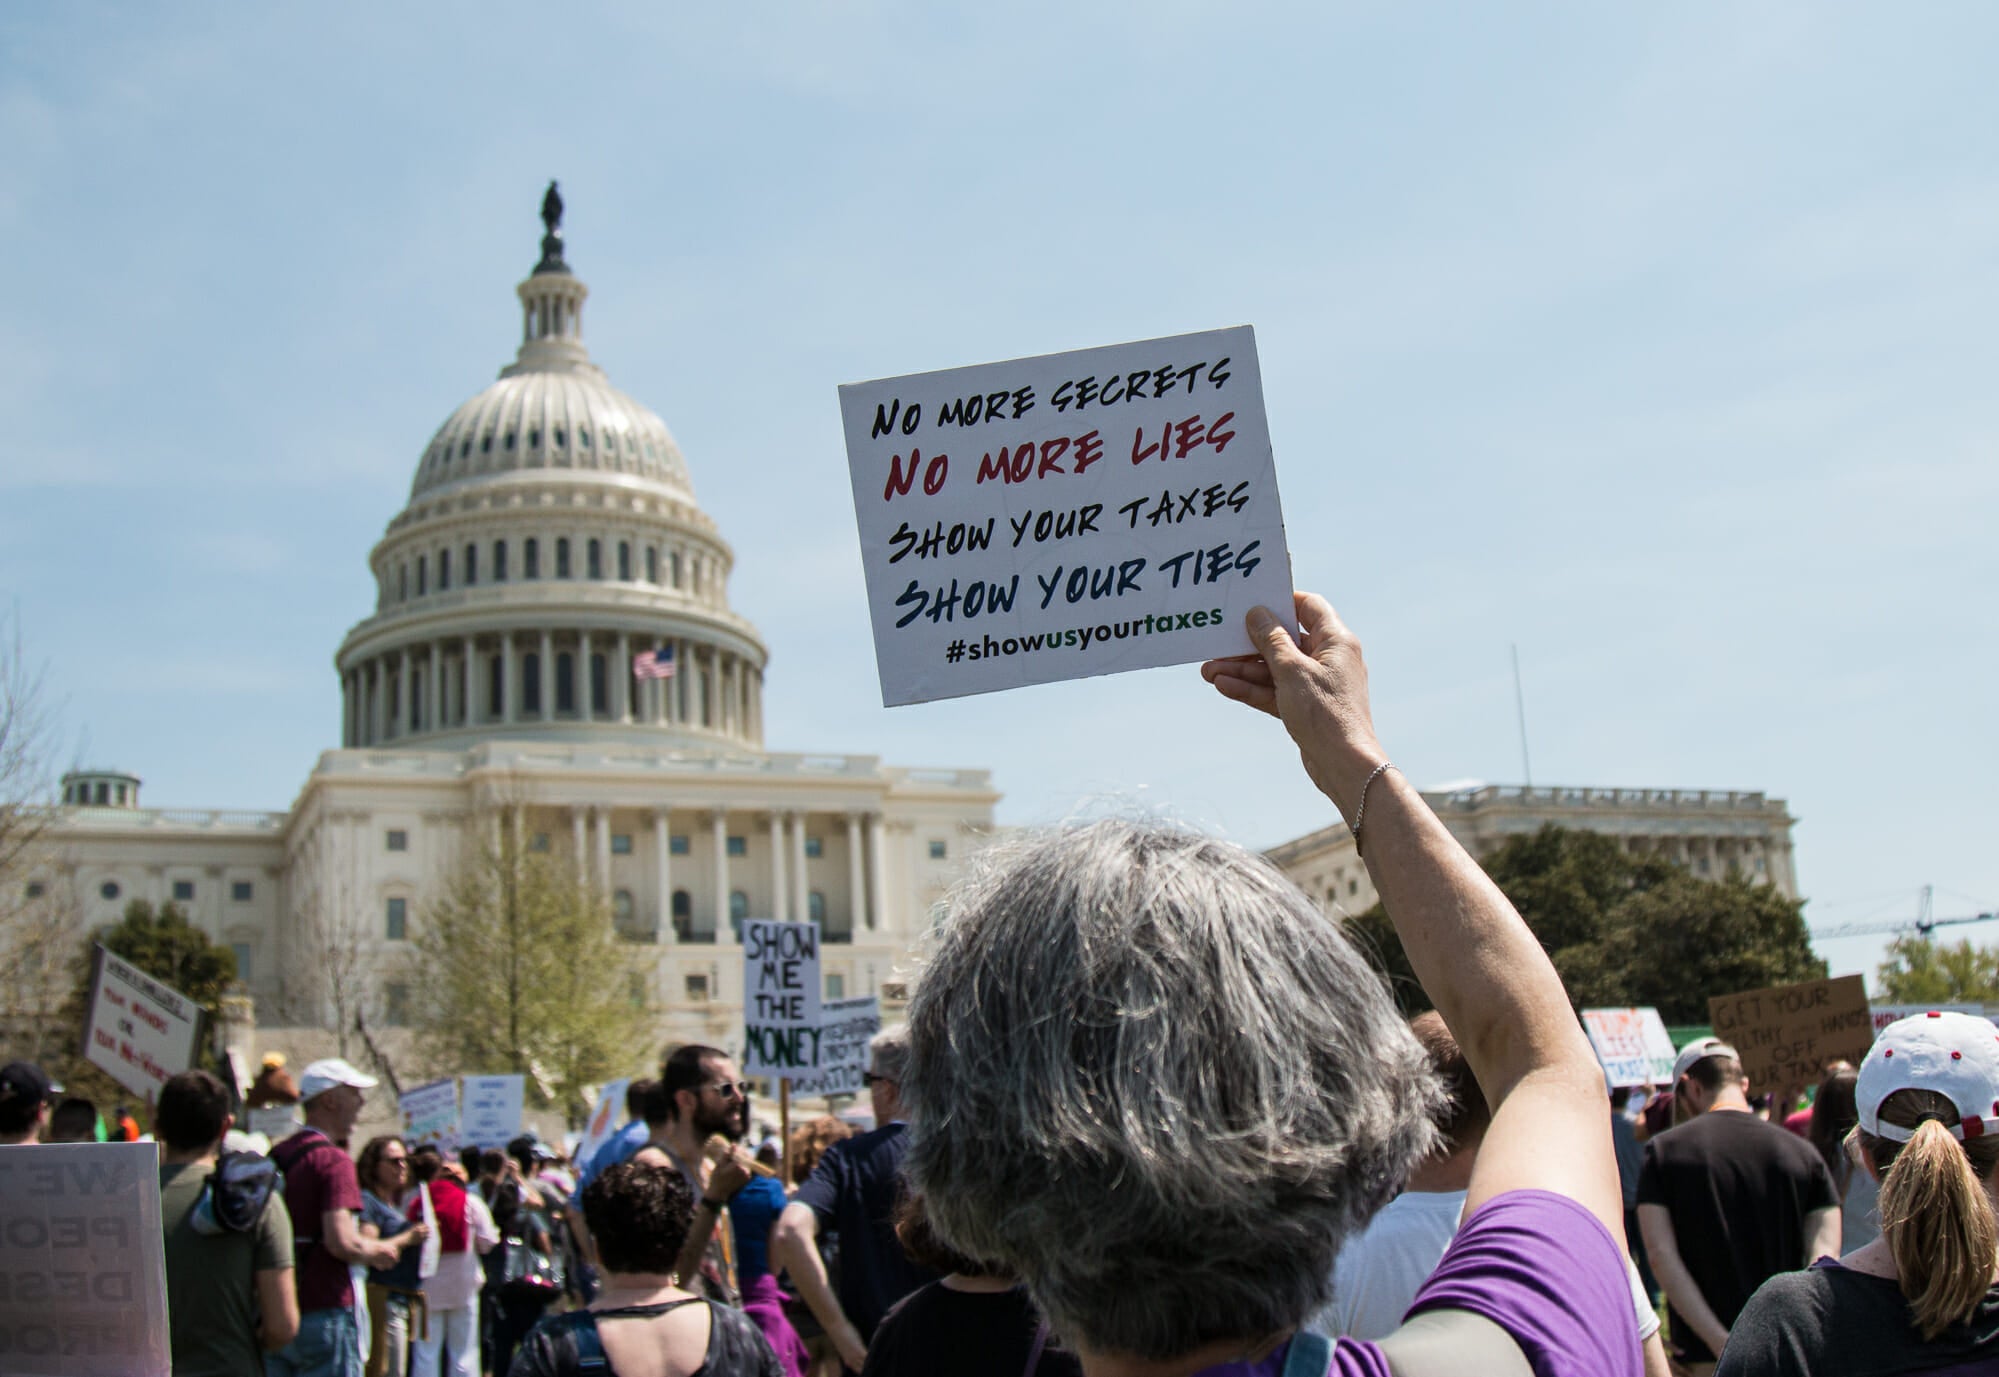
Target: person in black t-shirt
{"points": [[854, 1192], [976, 1322], [1726, 1201]]}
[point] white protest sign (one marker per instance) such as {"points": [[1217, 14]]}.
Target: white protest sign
{"points": [[605, 1120], [1885, 1014], [430, 1114], [491, 1116], [139, 1031], [1063, 516], [430, 1252], [1632, 1044], [845, 1026], [276, 1122], [780, 997], [85, 1272]]}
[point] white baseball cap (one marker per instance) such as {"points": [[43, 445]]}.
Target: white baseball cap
{"points": [[322, 1076], [1699, 1050], [1956, 1055]]}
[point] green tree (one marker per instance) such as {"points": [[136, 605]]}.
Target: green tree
{"points": [[1919, 971], [517, 969], [1623, 929]]}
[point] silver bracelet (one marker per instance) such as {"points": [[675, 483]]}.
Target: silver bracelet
{"points": [[1360, 809]]}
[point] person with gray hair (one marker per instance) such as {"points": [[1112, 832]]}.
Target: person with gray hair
{"points": [[1148, 1076], [854, 1192]]}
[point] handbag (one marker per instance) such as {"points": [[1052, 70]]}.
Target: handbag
{"points": [[527, 1273]]}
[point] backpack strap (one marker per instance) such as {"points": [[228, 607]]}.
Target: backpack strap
{"points": [[590, 1347], [1310, 1355]]}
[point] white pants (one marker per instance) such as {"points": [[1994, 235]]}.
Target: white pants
{"points": [[452, 1331]]}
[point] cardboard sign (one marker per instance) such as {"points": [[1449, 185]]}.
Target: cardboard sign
{"points": [[85, 1291], [139, 1032], [1632, 1044], [1064, 516], [491, 1117], [1787, 1033], [606, 1119], [845, 1026], [780, 997], [430, 1114]]}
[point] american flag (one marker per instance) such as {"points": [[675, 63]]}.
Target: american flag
{"points": [[653, 664]]}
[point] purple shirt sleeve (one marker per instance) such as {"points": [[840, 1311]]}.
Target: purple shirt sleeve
{"points": [[1545, 1270]]}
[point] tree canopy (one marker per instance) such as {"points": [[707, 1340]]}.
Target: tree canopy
{"points": [[516, 968], [1921, 971], [1624, 929]]}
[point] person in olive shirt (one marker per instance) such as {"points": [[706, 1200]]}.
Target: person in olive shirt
{"points": [[229, 1295]]}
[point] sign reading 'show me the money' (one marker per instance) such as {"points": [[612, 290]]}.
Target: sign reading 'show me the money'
{"points": [[1064, 516]]}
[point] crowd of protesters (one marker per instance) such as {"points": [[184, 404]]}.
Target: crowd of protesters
{"points": [[1152, 1115]]}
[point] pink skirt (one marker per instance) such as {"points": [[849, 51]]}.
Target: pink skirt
{"points": [[764, 1303]]}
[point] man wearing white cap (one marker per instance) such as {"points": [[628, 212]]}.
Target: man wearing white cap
{"points": [[1726, 1201], [324, 1197]]}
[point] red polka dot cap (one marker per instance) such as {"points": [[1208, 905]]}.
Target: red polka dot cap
{"points": [[1956, 1055]]}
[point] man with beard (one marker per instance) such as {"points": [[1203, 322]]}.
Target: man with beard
{"points": [[700, 1094]]}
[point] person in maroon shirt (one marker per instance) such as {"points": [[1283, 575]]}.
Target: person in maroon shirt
{"points": [[324, 1197]]}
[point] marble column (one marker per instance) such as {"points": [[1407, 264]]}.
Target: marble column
{"points": [[719, 823], [857, 894], [801, 906], [377, 696], [662, 859], [547, 677], [436, 686], [406, 701], [507, 694], [576, 841], [777, 866], [876, 917], [601, 817], [621, 680]]}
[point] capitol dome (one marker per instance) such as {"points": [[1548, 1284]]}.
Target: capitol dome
{"points": [[551, 543]]}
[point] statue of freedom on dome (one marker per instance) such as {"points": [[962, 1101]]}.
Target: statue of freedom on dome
{"points": [[551, 242]]}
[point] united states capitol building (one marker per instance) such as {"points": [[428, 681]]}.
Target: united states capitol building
{"points": [[551, 536]]}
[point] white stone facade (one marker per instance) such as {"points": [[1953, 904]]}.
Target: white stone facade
{"points": [[551, 535], [1714, 833]]}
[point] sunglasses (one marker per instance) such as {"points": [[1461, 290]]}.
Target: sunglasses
{"points": [[731, 1090], [870, 1079]]}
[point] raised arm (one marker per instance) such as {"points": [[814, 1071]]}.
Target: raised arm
{"points": [[1476, 959]]}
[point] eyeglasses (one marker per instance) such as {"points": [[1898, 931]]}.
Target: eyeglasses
{"points": [[731, 1090], [395, 1161], [869, 1078]]}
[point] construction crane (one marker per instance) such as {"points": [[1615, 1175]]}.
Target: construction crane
{"points": [[1924, 923]]}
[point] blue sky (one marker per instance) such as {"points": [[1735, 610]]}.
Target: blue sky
{"points": [[1657, 341]]}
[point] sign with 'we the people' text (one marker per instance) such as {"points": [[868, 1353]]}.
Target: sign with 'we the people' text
{"points": [[1067, 515]]}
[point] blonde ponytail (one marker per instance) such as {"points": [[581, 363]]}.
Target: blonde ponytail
{"points": [[1939, 1225]]}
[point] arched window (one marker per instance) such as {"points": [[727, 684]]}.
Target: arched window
{"points": [[600, 687], [562, 557], [531, 559], [443, 570], [624, 561], [531, 682], [739, 909], [496, 686], [815, 907], [652, 564], [565, 681], [422, 570], [499, 561], [676, 568], [596, 559], [471, 565], [683, 914]]}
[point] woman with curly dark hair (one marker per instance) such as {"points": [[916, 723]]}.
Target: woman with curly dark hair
{"points": [[642, 1323]]}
